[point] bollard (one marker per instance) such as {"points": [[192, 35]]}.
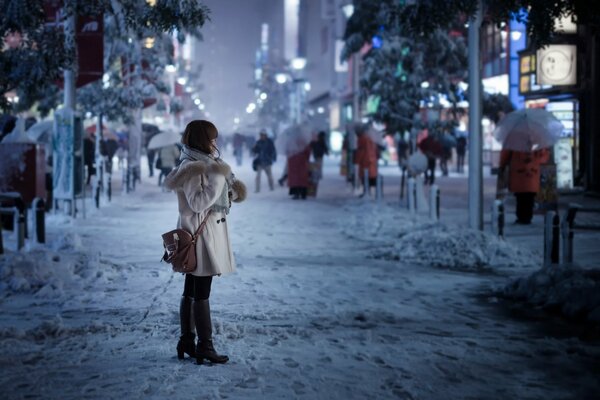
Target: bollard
{"points": [[548, 218], [568, 234], [410, 191], [434, 202], [19, 224], [402, 183], [554, 255], [501, 219], [1, 241], [498, 218], [379, 188], [366, 182], [419, 200], [39, 207], [109, 186]]}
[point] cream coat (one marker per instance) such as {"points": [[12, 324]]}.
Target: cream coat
{"points": [[198, 184]]}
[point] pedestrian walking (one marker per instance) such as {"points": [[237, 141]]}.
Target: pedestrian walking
{"points": [[523, 178], [319, 149], [151, 157], [238, 147], [205, 188], [366, 157], [298, 171], [166, 161], [265, 156]]}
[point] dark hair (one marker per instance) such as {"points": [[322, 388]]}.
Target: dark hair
{"points": [[199, 134]]}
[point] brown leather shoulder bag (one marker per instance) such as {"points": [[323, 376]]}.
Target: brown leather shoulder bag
{"points": [[180, 248]]}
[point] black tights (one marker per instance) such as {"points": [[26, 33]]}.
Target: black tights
{"points": [[197, 287]]}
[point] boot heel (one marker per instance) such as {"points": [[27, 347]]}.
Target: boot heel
{"points": [[200, 360], [180, 354]]}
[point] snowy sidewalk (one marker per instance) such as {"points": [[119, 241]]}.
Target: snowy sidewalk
{"points": [[316, 310]]}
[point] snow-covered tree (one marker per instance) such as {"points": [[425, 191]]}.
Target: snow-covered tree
{"points": [[35, 54], [32, 54], [423, 17], [403, 73]]}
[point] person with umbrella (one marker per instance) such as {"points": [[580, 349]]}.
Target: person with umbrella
{"points": [[164, 144], [366, 156], [432, 150], [526, 136]]}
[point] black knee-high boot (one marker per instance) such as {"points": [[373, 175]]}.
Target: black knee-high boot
{"points": [[205, 349], [186, 341]]}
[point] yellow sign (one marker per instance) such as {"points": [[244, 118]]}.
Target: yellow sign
{"points": [[525, 64], [524, 84]]}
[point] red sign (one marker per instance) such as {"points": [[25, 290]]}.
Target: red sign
{"points": [[90, 49], [89, 36]]}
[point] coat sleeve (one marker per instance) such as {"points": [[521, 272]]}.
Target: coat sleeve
{"points": [[238, 191], [201, 191]]}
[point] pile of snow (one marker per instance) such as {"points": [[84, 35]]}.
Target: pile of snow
{"points": [[573, 291], [398, 235], [51, 271], [462, 249]]}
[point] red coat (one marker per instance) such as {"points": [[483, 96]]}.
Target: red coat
{"points": [[366, 156], [298, 168], [524, 169]]}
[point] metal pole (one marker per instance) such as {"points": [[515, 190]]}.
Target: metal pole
{"points": [[19, 223], [548, 236], [39, 207], [356, 178], [434, 202], [501, 219], [419, 193], [1, 241], [475, 106], [410, 191], [402, 183], [69, 74], [554, 254], [379, 188]]}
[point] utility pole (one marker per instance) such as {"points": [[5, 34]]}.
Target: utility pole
{"points": [[69, 74], [475, 106]]}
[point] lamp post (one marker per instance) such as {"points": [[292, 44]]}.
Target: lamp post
{"points": [[298, 64], [475, 106]]}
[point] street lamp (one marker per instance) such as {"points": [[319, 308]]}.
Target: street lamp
{"points": [[298, 63], [281, 78]]}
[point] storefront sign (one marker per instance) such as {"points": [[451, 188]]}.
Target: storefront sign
{"points": [[557, 65], [563, 158], [547, 198], [67, 146]]}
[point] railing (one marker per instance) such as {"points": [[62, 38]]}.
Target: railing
{"points": [[559, 235], [12, 204]]}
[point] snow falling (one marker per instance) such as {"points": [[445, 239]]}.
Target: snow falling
{"points": [[333, 298]]}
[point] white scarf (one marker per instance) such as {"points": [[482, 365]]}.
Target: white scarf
{"points": [[222, 204]]}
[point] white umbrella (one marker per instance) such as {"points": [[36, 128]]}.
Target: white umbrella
{"points": [[417, 163], [528, 130], [41, 131], [294, 139], [163, 139]]}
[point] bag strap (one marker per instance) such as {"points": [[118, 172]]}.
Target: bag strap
{"points": [[199, 230]]}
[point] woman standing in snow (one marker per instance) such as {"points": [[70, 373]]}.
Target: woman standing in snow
{"points": [[205, 188]]}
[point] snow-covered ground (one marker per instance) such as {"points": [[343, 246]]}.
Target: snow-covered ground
{"points": [[334, 298]]}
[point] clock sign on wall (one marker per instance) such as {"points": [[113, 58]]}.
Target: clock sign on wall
{"points": [[557, 65]]}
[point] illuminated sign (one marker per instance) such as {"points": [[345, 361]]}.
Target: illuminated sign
{"points": [[557, 65]]}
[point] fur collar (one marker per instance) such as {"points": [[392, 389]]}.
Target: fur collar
{"points": [[187, 169]]}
